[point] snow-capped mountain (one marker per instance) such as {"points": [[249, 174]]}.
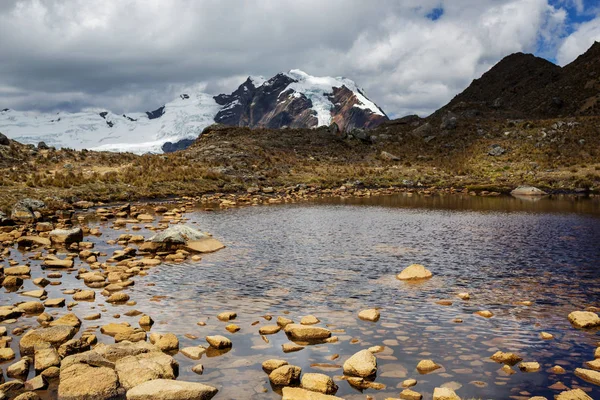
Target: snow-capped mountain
{"points": [[294, 99]]}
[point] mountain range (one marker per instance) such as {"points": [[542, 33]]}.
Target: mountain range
{"points": [[294, 99]]}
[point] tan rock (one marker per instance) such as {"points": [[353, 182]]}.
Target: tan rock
{"points": [[414, 272], [557, 369], [408, 394], [84, 295], [35, 293], [68, 319], [506, 358], [306, 332], [584, 319], [113, 329], [233, 328], [309, 320], [269, 329], [285, 375], [529, 366], [464, 296], [84, 382], [427, 366], [485, 314], [318, 383], [372, 315], [55, 335], [272, 364], [595, 365], [193, 352], [45, 357], [291, 347], [207, 245], [134, 370], [283, 321], [118, 298], [362, 364], [588, 375], [57, 263], [58, 302], [166, 389], [444, 394], [31, 307], [168, 342], [17, 271], [226, 316], [219, 342], [295, 393], [409, 383], [575, 394], [6, 354]]}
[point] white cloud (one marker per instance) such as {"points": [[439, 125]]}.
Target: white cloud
{"points": [[579, 41], [133, 55]]}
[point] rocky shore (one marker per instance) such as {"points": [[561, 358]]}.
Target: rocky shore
{"points": [[65, 355]]}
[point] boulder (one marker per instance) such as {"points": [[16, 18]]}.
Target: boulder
{"points": [[294, 393], [208, 245], [309, 320], [168, 342], [25, 210], [193, 352], [444, 394], [362, 364], [178, 234], [506, 358], [20, 270], [6, 354], [427, 366], [165, 389], [528, 191], [219, 342], [84, 295], [20, 369], [318, 383], [68, 319], [588, 375], [81, 381], [31, 307], [73, 346], [369, 315], [55, 335], [117, 351], [113, 329], [64, 237], [414, 272], [584, 319], [408, 394], [285, 375], [306, 332], [575, 394], [134, 370], [271, 365], [45, 357], [529, 366]]}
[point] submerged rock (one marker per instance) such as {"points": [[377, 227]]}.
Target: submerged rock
{"points": [[414, 272], [294, 393], [166, 389]]}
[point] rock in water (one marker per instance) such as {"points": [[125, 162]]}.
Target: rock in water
{"points": [[444, 394], [528, 191], [318, 383], [306, 332], [414, 272], [166, 389], [584, 319], [285, 375], [66, 236], [294, 393], [576, 394], [588, 375], [369, 315], [55, 335], [363, 364], [84, 382], [179, 234], [135, 370]]}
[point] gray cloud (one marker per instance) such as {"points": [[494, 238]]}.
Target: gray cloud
{"points": [[134, 55]]}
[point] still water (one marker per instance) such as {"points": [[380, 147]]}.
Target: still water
{"points": [[332, 258]]}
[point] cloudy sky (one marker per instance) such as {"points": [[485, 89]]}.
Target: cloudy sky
{"points": [[410, 56]]}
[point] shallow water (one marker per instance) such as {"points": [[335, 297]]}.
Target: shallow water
{"points": [[334, 257]]}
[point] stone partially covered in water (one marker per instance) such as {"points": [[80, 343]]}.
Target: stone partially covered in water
{"points": [[191, 238], [66, 236], [318, 383], [55, 335], [414, 272], [362, 364], [444, 394], [271, 365], [427, 366], [369, 315], [528, 191], [295, 393], [166, 389], [506, 358], [529, 366], [584, 319], [575, 394], [285, 375], [588, 375], [306, 332], [219, 342]]}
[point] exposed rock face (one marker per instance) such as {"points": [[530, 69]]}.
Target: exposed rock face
{"points": [[164, 389], [279, 103]]}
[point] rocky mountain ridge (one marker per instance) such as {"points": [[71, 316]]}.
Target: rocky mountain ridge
{"points": [[294, 99]]}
